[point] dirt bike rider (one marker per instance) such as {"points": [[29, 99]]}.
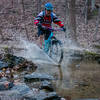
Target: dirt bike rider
{"points": [[45, 18]]}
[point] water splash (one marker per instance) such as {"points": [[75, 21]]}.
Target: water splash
{"points": [[34, 53]]}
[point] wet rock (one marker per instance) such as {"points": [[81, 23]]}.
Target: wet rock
{"points": [[27, 66], [41, 95], [3, 79], [3, 65], [2, 86], [77, 66], [21, 88], [98, 61], [6, 85], [75, 53], [17, 63], [9, 95], [47, 86], [83, 84], [11, 84], [1, 73], [18, 60], [37, 77], [12, 60]]}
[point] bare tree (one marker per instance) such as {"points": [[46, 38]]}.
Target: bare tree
{"points": [[86, 11], [2, 35], [93, 5], [38, 6], [97, 26], [88, 8], [12, 2], [67, 20], [24, 19], [71, 20]]}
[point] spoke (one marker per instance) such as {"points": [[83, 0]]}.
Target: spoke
{"points": [[56, 52]]}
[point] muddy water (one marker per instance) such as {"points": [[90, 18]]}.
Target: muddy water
{"points": [[75, 78], [83, 80]]}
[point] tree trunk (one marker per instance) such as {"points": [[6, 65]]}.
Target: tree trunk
{"points": [[24, 19], [71, 20], [87, 10], [12, 3], [2, 35], [38, 6], [93, 5], [67, 20], [97, 26]]}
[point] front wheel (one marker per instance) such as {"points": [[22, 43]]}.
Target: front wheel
{"points": [[56, 51]]}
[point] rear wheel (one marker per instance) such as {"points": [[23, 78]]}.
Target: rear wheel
{"points": [[56, 52]]}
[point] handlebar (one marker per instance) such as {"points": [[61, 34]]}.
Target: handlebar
{"points": [[52, 29]]}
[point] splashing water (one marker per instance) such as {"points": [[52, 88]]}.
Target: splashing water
{"points": [[34, 53]]}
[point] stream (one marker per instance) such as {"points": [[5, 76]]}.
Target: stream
{"points": [[79, 79], [75, 78]]}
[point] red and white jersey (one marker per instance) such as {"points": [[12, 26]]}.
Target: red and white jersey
{"points": [[47, 20]]}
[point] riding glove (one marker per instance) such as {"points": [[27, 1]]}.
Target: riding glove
{"points": [[39, 25], [63, 28]]}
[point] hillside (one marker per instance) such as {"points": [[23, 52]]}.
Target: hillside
{"points": [[16, 18]]}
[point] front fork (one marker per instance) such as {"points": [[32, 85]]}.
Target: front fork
{"points": [[47, 43]]}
